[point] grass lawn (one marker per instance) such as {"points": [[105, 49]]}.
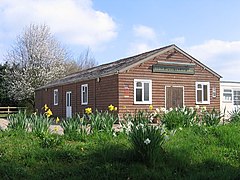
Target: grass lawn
{"points": [[193, 153]]}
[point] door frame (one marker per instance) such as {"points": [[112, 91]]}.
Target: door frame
{"points": [[68, 107], [166, 94]]}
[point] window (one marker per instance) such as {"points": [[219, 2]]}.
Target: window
{"points": [[227, 95], [202, 93], [142, 91], [84, 94], [55, 97], [236, 97]]}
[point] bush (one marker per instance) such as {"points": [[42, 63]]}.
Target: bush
{"points": [[18, 121], [40, 124], [235, 116], [211, 118], [146, 140], [102, 121], [180, 117], [48, 140], [75, 128]]}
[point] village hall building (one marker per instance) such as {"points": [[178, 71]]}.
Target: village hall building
{"points": [[165, 77]]}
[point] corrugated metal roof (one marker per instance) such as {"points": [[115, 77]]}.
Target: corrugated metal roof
{"points": [[115, 67]]}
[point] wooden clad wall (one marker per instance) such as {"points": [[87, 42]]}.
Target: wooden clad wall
{"points": [[160, 80], [107, 92]]}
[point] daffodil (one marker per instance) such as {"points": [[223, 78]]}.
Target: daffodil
{"points": [[45, 107], [35, 113], [88, 110], [151, 107], [115, 108], [49, 113], [111, 107], [197, 107], [57, 120], [124, 107], [147, 141]]}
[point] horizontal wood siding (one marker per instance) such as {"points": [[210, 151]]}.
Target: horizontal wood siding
{"points": [[45, 96], [107, 92], [160, 80]]}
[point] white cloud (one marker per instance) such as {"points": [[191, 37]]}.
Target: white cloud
{"points": [[178, 40], [73, 21], [137, 48], [221, 56], [144, 32], [145, 39]]}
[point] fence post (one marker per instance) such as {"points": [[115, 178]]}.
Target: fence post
{"points": [[8, 110]]}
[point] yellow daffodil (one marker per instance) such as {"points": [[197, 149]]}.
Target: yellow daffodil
{"points": [[115, 108], [151, 107], [124, 107], [45, 107], [57, 120], [88, 110], [49, 113], [111, 107]]}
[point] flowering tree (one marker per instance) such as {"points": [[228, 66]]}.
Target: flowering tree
{"points": [[36, 59]]}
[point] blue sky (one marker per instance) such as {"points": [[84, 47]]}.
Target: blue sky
{"points": [[208, 30]]}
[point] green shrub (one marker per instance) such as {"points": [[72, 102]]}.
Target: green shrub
{"points": [[40, 124], [48, 140], [180, 117], [75, 128], [146, 141], [18, 121], [235, 115], [211, 118], [102, 121]]}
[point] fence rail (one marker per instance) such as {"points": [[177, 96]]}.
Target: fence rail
{"points": [[10, 110]]}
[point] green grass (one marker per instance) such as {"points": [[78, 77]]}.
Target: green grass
{"points": [[193, 153]]}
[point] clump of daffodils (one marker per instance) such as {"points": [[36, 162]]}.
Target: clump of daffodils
{"points": [[47, 110]]}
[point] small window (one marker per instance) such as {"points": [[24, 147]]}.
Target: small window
{"points": [[142, 91], [236, 97], [202, 93], [84, 94], [55, 97], [227, 95]]}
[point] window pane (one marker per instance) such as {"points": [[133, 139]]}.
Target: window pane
{"points": [[146, 91], [138, 94], [199, 86], [139, 84], [227, 97], [236, 97], [228, 90], [199, 95], [236, 93], [205, 93]]}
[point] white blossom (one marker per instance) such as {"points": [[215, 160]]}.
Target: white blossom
{"points": [[35, 60], [147, 141]]}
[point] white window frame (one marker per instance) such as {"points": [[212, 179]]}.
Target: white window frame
{"points": [[83, 90], [150, 91], [208, 92], [234, 96], [55, 97], [228, 93]]}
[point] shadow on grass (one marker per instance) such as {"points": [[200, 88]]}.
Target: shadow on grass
{"points": [[107, 158]]}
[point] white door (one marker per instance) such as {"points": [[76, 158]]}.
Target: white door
{"points": [[69, 104]]}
